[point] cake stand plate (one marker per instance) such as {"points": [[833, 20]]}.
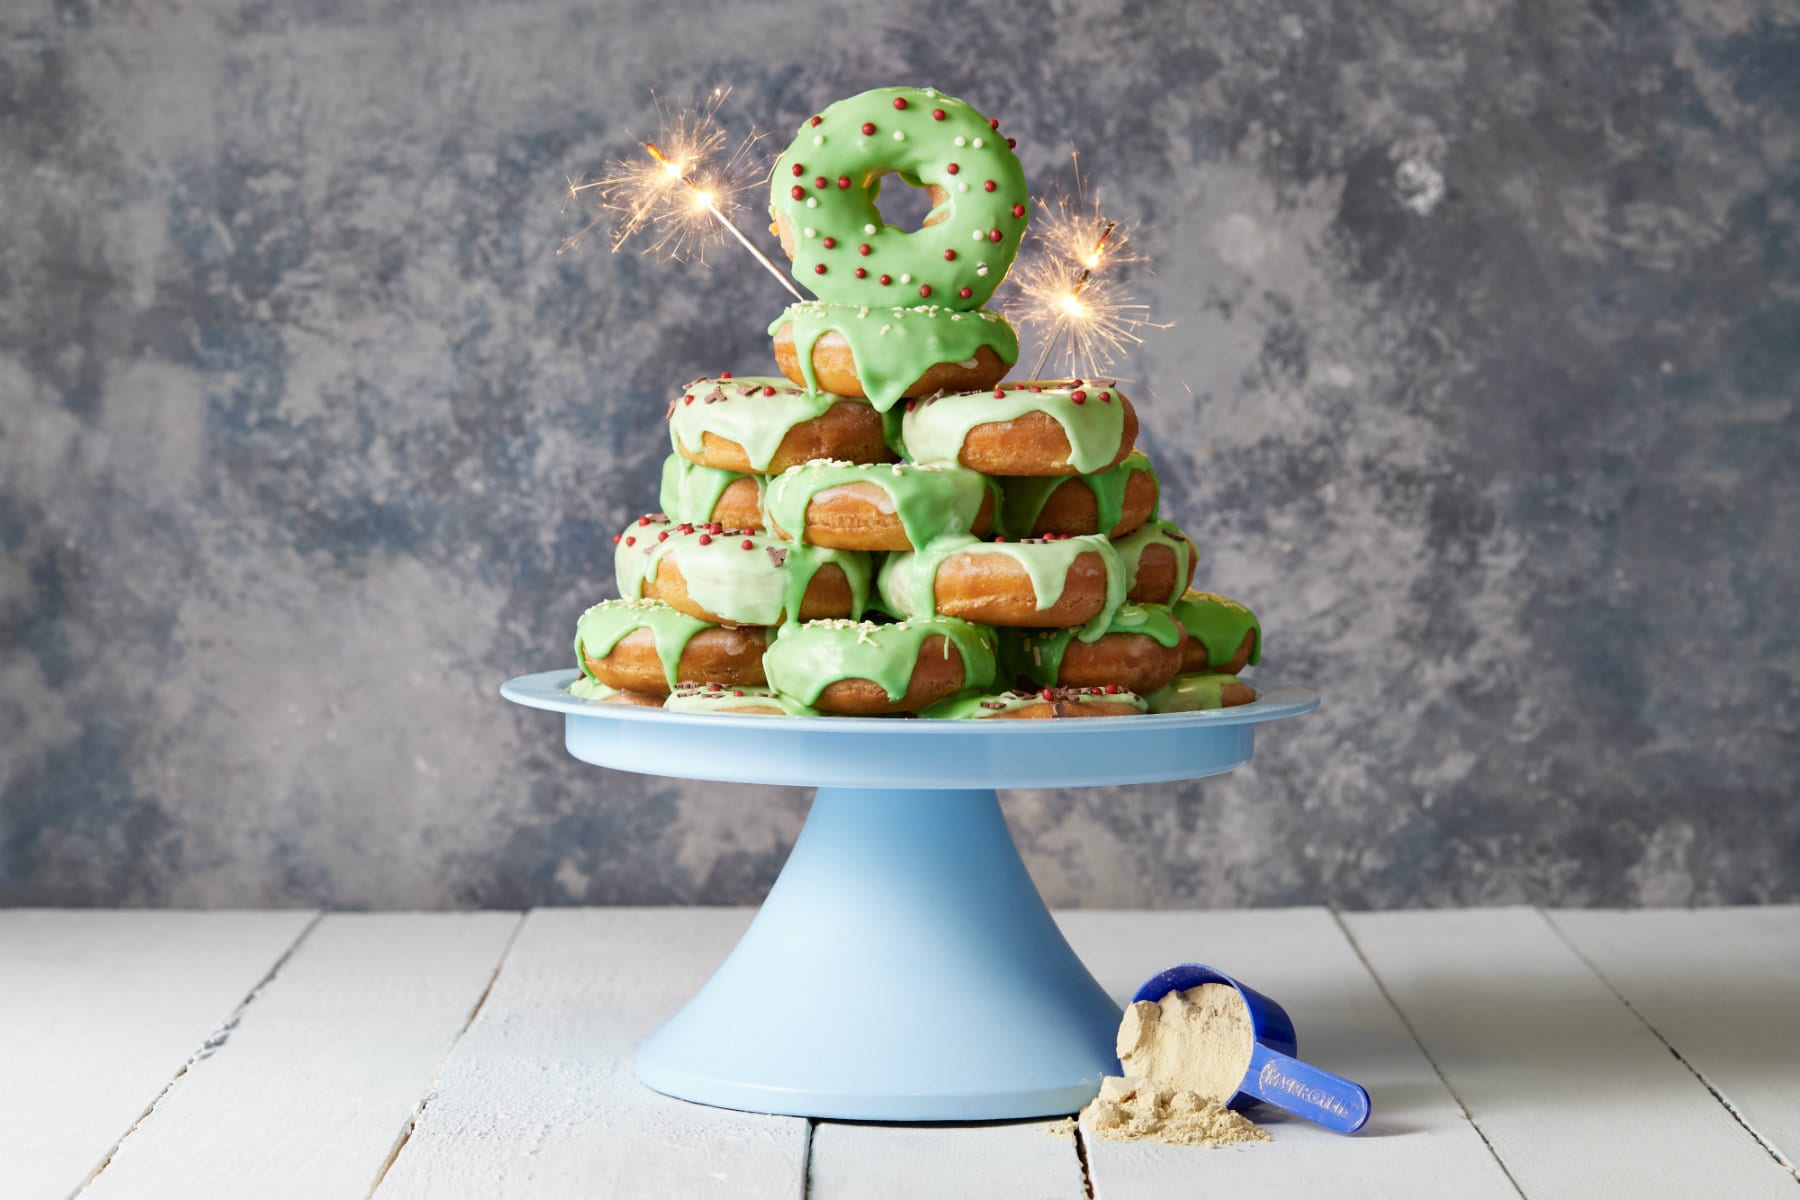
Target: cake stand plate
{"points": [[903, 967]]}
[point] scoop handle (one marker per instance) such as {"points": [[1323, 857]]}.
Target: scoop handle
{"points": [[1304, 1090]]}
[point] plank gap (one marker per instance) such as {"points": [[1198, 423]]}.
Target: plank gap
{"points": [[208, 1047], [806, 1176], [412, 1120], [1405, 1021], [1768, 1146], [1087, 1177]]}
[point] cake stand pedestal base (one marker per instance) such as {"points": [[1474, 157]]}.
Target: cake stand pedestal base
{"points": [[903, 968]]}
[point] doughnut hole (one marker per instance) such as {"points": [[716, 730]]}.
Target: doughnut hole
{"points": [[1072, 508], [1159, 579], [937, 675], [834, 366], [1194, 657], [1135, 661], [828, 595], [992, 589], [848, 431], [732, 657], [851, 518], [1034, 444], [908, 207]]}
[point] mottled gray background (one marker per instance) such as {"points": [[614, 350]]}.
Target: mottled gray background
{"points": [[1482, 391]]}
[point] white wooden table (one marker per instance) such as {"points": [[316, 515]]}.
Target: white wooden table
{"points": [[1509, 1052]]}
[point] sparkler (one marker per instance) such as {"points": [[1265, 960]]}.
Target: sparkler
{"points": [[1063, 291], [686, 193]]}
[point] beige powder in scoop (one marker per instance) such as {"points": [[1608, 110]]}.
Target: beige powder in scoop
{"points": [[1184, 1057]]}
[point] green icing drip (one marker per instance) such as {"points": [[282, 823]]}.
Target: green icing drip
{"points": [[833, 146], [1023, 496], [893, 347], [1190, 693], [690, 492], [1218, 624], [738, 409], [605, 624], [735, 701], [908, 580], [586, 687], [1131, 549], [1037, 654], [935, 428], [929, 501], [761, 585], [806, 659], [979, 706]]}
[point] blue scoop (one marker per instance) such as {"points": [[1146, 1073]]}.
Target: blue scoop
{"points": [[1274, 1076]]}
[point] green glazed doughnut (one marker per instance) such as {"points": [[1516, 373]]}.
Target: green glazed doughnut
{"points": [[1196, 692], [808, 658], [1165, 587], [906, 351], [1037, 654], [823, 190], [1219, 625], [741, 577], [879, 506], [691, 492], [606, 624], [1022, 497]]}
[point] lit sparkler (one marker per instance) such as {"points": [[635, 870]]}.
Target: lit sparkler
{"points": [[683, 190]]}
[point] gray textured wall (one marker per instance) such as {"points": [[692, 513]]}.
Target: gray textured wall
{"points": [[1483, 392]]}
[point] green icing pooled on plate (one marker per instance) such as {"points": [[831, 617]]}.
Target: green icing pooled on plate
{"points": [[713, 698], [1191, 693], [807, 658], [607, 623], [1219, 625], [745, 578], [586, 687], [1131, 549], [893, 347], [755, 411], [690, 492], [908, 579], [979, 706], [934, 428], [930, 501], [1037, 654], [1022, 497]]}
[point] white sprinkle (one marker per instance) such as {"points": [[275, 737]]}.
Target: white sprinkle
{"points": [[863, 311], [905, 278], [982, 270], [962, 187], [813, 202], [956, 316], [899, 136], [976, 143], [885, 328], [868, 229], [818, 139], [811, 232], [961, 140], [978, 235]]}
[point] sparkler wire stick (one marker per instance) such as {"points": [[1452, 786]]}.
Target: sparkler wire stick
{"points": [[705, 200]]}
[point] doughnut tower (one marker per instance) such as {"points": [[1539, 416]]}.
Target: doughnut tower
{"points": [[888, 527]]}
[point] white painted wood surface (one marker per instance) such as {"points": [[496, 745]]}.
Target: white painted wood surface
{"points": [[99, 1011], [248, 1054], [1575, 1094], [312, 1090], [1417, 1143], [538, 1099], [1722, 987]]}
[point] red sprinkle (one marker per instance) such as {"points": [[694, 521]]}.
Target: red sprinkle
{"points": [[912, 406], [993, 124], [993, 235], [768, 391], [1079, 397], [706, 539], [816, 121], [999, 393], [949, 256], [663, 536], [684, 527], [746, 544], [865, 248], [715, 528], [924, 289], [965, 293], [1112, 689], [1074, 383], [631, 541], [989, 186], [1018, 210], [1047, 694], [687, 399], [937, 114], [830, 242], [797, 192], [899, 101], [799, 169], [616, 539], [953, 168], [868, 128], [1012, 143], [820, 181], [1106, 397], [861, 273], [843, 181], [1036, 388], [886, 279], [819, 269], [999, 539], [643, 520]]}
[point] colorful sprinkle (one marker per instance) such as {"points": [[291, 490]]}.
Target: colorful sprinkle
{"points": [[797, 191], [868, 128], [937, 114], [899, 101]]}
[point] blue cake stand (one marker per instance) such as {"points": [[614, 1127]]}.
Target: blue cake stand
{"points": [[903, 967]]}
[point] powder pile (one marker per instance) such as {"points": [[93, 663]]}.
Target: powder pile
{"points": [[1186, 1055]]}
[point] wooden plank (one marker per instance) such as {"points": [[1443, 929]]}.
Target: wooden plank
{"points": [[1011, 1160], [312, 1090], [99, 1011], [1418, 1143], [1721, 986], [1575, 1094], [538, 1098]]}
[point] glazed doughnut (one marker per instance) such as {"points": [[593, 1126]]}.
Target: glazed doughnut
{"points": [[585, 687], [823, 189], [887, 353], [747, 701], [1141, 651], [1191, 693], [701, 495], [1114, 502], [1039, 583], [859, 668], [736, 577], [885, 506], [1224, 637], [762, 424], [1159, 562], [1060, 428], [1044, 703], [646, 646]]}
